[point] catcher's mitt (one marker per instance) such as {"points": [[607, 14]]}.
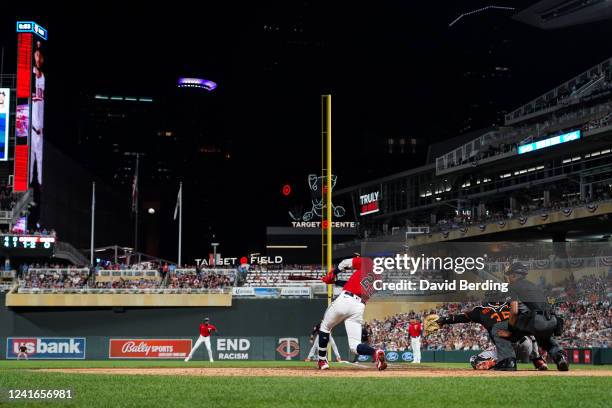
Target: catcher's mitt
{"points": [[431, 324]]}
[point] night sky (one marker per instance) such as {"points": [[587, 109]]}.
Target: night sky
{"points": [[394, 68]]}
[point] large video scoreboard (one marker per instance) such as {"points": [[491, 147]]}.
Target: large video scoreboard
{"points": [[27, 245]]}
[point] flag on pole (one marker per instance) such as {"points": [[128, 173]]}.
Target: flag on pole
{"points": [[178, 202], [135, 192]]}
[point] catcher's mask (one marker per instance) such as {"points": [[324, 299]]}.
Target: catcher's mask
{"points": [[494, 300]]}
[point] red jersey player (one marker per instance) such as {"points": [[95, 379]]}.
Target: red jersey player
{"points": [[414, 330], [348, 308], [206, 330]]}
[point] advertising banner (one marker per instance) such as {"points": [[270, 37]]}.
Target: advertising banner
{"points": [[234, 349], [246, 291], [296, 291], [149, 348], [392, 356], [42, 348], [5, 103], [271, 292]]}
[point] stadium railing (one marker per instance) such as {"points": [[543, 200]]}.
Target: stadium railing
{"points": [[591, 120], [11, 216], [570, 91], [65, 250], [62, 271], [95, 291], [105, 275]]}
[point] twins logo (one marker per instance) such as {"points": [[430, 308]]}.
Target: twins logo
{"points": [[392, 356], [317, 204], [288, 347]]}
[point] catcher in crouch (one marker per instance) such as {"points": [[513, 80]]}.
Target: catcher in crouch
{"points": [[525, 348], [348, 308], [492, 316]]}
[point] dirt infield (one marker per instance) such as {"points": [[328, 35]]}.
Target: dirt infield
{"points": [[366, 371]]}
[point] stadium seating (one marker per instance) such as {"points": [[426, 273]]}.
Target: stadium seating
{"points": [[80, 280]]}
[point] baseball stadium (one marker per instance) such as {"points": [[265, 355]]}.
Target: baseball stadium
{"points": [[154, 255]]}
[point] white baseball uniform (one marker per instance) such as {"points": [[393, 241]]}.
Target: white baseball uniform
{"points": [[38, 120], [415, 343], [205, 333], [349, 306]]}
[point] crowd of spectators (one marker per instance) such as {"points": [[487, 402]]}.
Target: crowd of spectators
{"points": [[35, 231], [202, 280], [56, 279], [56, 276], [288, 274], [129, 284], [587, 324], [391, 333]]}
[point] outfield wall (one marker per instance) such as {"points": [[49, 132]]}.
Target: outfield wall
{"points": [[251, 329], [225, 348], [255, 317]]}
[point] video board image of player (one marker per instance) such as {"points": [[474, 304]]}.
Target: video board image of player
{"points": [[38, 113], [5, 95], [22, 120]]}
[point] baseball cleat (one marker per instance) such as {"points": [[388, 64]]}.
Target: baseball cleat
{"points": [[485, 365], [508, 364], [339, 359], [561, 361], [322, 364], [307, 359], [539, 364], [379, 357]]}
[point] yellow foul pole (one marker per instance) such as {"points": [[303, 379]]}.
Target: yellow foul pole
{"points": [[328, 200]]}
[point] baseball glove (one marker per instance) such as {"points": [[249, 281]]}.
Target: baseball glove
{"points": [[431, 324]]}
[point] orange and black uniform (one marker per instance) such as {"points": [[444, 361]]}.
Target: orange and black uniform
{"points": [[487, 316], [493, 318]]}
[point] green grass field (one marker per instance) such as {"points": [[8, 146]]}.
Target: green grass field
{"points": [[101, 390]]}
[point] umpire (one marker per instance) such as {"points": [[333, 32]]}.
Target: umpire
{"points": [[533, 315]]}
